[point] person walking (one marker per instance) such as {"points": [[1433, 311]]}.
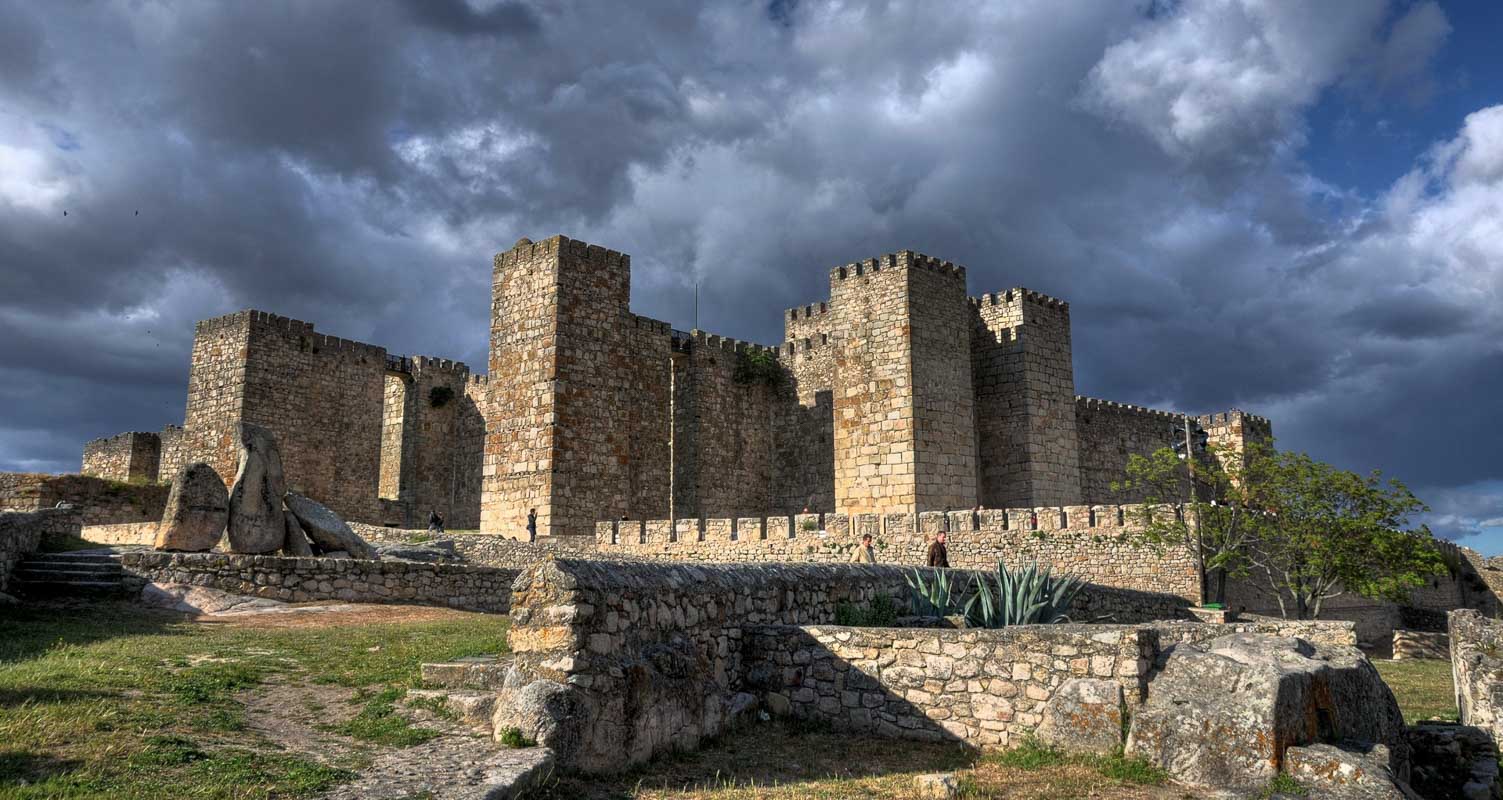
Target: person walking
{"points": [[939, 557], [864, 554], [532, 524], [435, 521]]}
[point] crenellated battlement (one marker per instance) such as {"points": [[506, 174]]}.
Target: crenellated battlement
{"points": [[1231, 417], [527, 250], [903, 259], [808, 311], [714, 341], [1019, 295], [649, 324], [433, 365], [1111, 406], [806, 345]]}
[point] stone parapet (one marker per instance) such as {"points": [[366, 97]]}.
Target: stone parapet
{"points": [[100, 501], [349, 580]]}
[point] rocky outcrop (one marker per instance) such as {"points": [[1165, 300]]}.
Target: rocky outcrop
{"points": [[1453, 761], [326, 529], [543, 711], [1222, 714], [198, 509], [256, 524], [434, 552], [1477, 670], [1084, 716], [1353, 771]]}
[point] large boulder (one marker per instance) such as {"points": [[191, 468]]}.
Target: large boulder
{"points": [[1084, 716], [256, 524], [1453, 760], [543, 711], [432, 552], [198, 509], [1353, 771], [297, 540], [326, 529], [1222, 714]]}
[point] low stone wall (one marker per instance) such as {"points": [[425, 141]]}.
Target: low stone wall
{"points": [[637, 658], [99, 501], [1093, 542], [983, 687], [1477, 670], [1421, 644], [125, 533], [23, 533], [488, 549], [349, 580], [1331, 633]]}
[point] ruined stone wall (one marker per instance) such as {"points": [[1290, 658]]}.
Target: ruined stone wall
{"points": [[470, 420], [723, 433], [393, 414], [99, 501], [1477, 670], [22, 532], [298, 580], [435, 391], [483, 549], [804, 430], [1110, 433], [986, 688], [123, 457], [1092, 543], [1025, 400]]}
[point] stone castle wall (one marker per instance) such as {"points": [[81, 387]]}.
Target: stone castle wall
{"points": [[22, 533], [1477, 670], [1092, 543], [1110, 433], [123, 457], [97, 500], [804, 430], [297, 580]]}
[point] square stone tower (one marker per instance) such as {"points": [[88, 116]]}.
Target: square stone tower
{"points": [[560, 365], [904, 408]]}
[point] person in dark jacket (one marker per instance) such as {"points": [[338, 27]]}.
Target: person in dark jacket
{"points": [[532, 524], [435, 521], [938, 555]]}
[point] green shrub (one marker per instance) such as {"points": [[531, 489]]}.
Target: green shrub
{"points": [[439, 396], [513, 737], [934, 597], [1026, 596], [757, 366]]}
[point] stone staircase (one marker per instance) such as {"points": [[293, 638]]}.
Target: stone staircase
{"points": [[467, 687], [81, 573]]}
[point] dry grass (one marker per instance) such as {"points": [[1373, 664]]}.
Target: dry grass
{"points": [[1423, 688]]}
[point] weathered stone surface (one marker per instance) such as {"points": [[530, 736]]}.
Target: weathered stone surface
{"points": [[1084, 716], [1421, 644], [432, 552], [1222, 714], [936, 786], [297, 539], [1477, 670], [326, 529], [543, 711], [1352, 771], [201, 599], [1451, 760], [255, 523], [198, 508]]}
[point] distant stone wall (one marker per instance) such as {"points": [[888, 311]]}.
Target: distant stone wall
{"points": [[1421, 644], [299, 580], [123, 457], [1094, 543], [99, 501], [484, 549], [1110, 434], [125, 533], [23, 532], [983, 687], [1477, 670]]}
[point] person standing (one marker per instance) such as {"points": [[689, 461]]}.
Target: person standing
{"points": [[435, 521], [939, 557], [532, 524], [864, 554]]}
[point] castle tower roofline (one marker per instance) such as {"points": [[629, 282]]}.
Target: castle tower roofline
{"points": [[1019, 295], [526, 249], [903, 259]]}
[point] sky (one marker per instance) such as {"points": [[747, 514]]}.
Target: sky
{"points": [[1290, 208]]}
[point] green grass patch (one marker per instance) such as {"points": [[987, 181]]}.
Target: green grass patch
{"points": [[107, 699], [1032, 755], [1423, 688], [379, 722], [513, 737], [1285, 785]]}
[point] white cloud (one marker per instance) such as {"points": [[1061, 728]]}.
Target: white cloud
{"points": [[29, 180]]}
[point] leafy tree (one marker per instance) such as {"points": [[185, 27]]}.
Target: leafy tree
{"points": [[1326, 531], [1201, 503]]}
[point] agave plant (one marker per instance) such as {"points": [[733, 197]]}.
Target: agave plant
{"points": [[1026, 596], [932, 598]]}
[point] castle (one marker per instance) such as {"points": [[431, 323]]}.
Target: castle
{"points": [[897, 394]]}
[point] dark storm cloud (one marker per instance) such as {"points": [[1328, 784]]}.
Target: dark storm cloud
{"points": [[356, 164]]}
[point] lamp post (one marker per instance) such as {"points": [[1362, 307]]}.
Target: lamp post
{"points": [[1195, 440]]}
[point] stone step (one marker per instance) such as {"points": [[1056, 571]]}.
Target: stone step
{"points": [[475, 672], [28, 572], [68, 587], [72, 559]]}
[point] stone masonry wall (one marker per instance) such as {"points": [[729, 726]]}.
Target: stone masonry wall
{"points": [[216, 395], [484, 549], [1477, 670], [1025, 389], [649, 418], [944, 414], [983, 687], [1109, 434], [1092, 543], [804, 430], [99, 501], [722, 433], [123, 457], [393, 414], [350, 580]]}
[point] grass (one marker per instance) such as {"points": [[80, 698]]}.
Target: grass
{"points": [[1030, 755], [107, 699], [513, 737], [1423, 688]]}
